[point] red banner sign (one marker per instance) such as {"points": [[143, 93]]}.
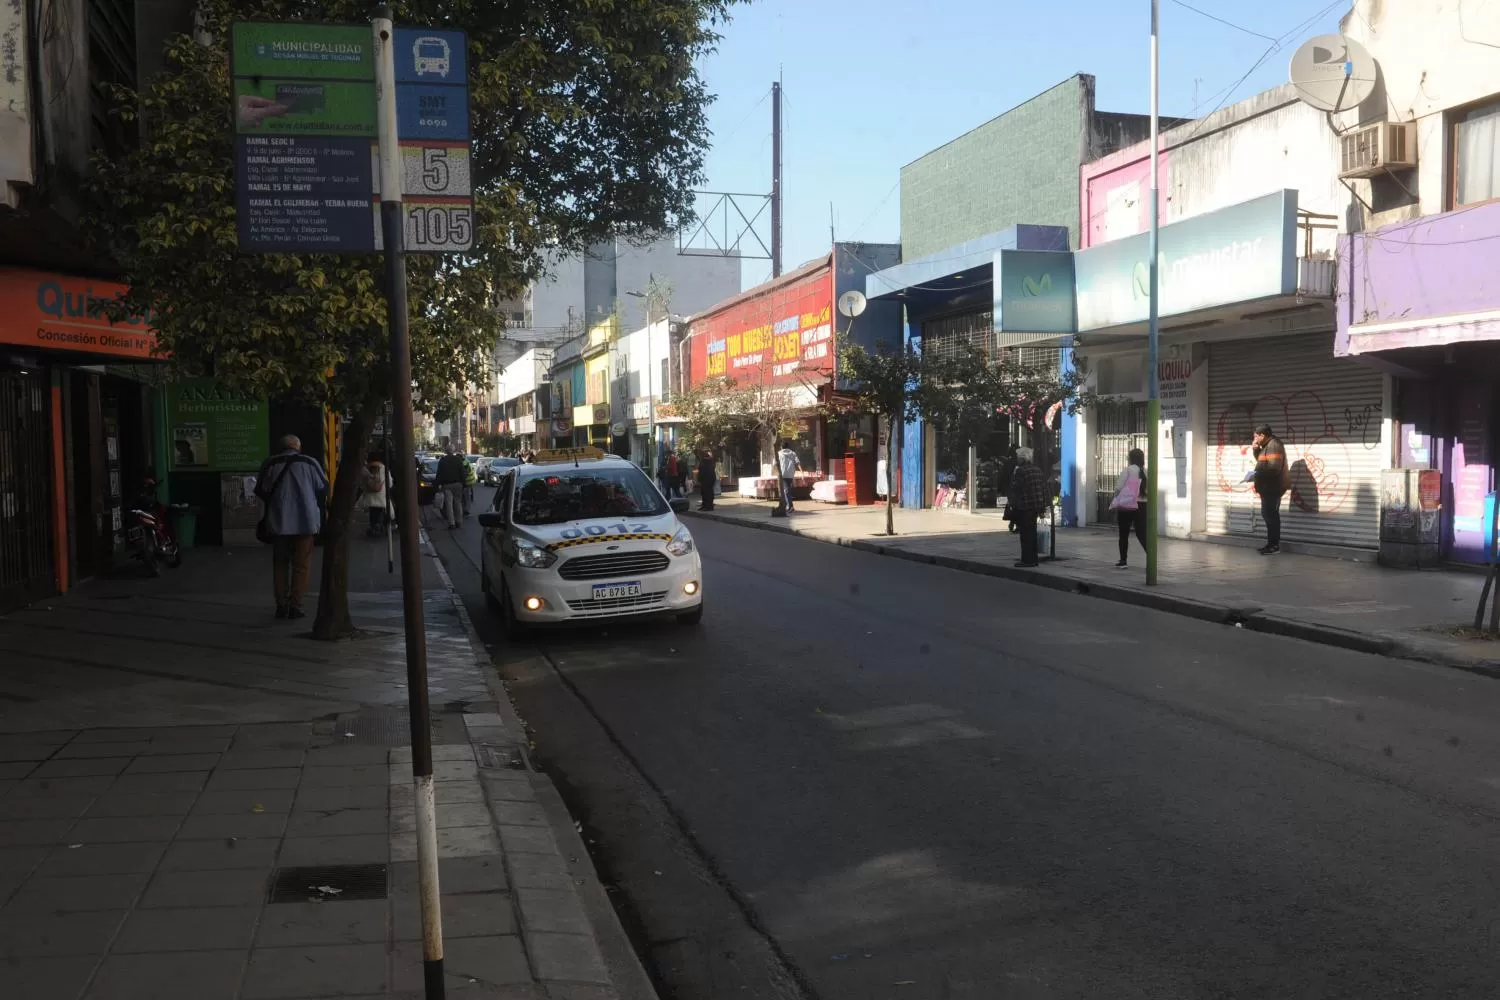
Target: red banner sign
{"points": [[781, 337]]}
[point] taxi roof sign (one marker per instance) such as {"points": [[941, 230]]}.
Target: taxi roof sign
{"points": [[552, 455]]}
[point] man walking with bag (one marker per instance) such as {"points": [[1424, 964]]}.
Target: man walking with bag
{"points": [[1028, 499], [293, 488], [1272, 478], [449, 479]]}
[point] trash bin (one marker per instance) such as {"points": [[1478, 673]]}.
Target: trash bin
{"points": [[184, 525]]}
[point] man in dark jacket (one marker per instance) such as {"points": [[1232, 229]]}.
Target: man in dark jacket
{"points": [[1272, 479], [450, 483], [708, 476], [1028, 499]]}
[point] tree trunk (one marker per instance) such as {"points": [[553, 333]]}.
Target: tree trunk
{"points": [[890, 475], [333, 620]]}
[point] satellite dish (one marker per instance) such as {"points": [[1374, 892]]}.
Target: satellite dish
{"points": [[852, 303], [1333, 73]]}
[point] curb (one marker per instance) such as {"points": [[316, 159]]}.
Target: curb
{"points": [[1249, 618], [628, 976]]}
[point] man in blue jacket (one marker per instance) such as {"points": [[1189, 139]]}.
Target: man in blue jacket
{"points": [[293, 488]]}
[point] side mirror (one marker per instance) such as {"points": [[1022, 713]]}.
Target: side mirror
{"points": [[680, 505], [491, 519]]}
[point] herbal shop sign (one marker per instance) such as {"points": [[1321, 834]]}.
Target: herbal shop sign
{"points": [[305, 138]]}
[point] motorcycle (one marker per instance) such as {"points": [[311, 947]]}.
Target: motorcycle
{"points": [[150, 537]]}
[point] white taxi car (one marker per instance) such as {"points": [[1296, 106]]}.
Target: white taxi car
{"points": [[580, 535]]}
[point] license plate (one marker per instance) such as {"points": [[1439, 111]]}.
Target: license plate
{"points": [[611, 591]]}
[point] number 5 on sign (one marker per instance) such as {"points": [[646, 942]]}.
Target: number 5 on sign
{"points": [[435, 171]]}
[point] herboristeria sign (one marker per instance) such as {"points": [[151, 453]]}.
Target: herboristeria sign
{"points": [[1237, 254]]}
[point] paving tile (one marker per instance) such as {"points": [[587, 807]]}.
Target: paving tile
{"points": [[338, 822], [445, 792], [345, 756], [453, 770], [354, 850], [553, 910], [273, 735], [80, 892], [238, 887], [244, 825], [578, 991], [455, 875], [21, 832], [57, 736], [47, 807], [40, 935], [123, 829], [28, 751], [102, 859], [329, 799], [23, 859], [188, 929], [219, 855], [497, 963], [6, 784], [452, 842], [316, 971], [475, 914], [155, 734], [519, 814], [573, 957], [130, 803], [35, 786], [45, 978], [238, 760], [16, 770], [258, 801], [458, 751], [452, 814], [262, 777], [173, 975], [345, 777], [528, 840], [175, 746], [356, 921], [173, 762], [509, 791], [81, 768], [178, 781], [539, 871], [76, 749]]}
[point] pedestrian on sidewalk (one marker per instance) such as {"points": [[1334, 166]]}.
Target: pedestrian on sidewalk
{"points": [[787, 459], [449, 480], [707, 473], [1028, 499], [1129, 503], [669, 476], [684, 469], [372, 493], [293, 488], [1272, 478]]}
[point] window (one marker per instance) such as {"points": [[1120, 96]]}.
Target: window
{"points": [[1476, 165], [548, 496]]}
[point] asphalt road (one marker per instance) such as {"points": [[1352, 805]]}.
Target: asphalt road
{"points": [[863, 778]]}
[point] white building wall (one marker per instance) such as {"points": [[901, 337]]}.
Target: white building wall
{"points": [[694, 283]]}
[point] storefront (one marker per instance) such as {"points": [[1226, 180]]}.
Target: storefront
{"points": [[1418, 305]]}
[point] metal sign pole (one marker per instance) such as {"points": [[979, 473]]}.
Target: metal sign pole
{"points": [[392, 224], [390, 500], [1153, 405]]}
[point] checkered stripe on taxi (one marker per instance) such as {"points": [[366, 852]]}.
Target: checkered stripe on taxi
{"points": [[568, 543]]}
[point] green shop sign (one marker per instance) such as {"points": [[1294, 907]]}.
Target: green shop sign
{"points": [[213, 430]]}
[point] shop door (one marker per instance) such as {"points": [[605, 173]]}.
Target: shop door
{"points": [[1122, 426], [1327, 411], [27, 567]]}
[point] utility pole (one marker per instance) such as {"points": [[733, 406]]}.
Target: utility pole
{"points": [[1153, 336], [393, 232], [776, 179]]}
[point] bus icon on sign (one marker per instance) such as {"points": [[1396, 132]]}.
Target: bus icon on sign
{"points": [[431, 55]]}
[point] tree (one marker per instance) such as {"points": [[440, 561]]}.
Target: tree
{"points": [[588, 123], [887, 383]]}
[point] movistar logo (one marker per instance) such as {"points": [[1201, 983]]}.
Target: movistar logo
{"points": [[1142, 279], [1034, 288]]}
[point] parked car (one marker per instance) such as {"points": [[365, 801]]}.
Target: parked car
{"points": [[427, 482], [495, 470]]}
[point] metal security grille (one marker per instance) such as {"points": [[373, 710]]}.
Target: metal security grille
{"points": [[1328, 412], [614, 564], [945, 338], [27, 572], [1122, 426]]}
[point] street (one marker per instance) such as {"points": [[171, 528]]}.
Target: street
{"points": [[868, 778]]}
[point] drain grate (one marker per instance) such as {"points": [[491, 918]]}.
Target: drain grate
{"points": [[327, 883], [490, 756]]}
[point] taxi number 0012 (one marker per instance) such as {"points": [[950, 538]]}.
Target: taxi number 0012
{"points": [[600, 529]]}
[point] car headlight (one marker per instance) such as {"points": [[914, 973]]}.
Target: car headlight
{"points": [[681, 543], [532, 556]]}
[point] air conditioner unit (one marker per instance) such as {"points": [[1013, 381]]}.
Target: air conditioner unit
{"points": [[1375, 149]]}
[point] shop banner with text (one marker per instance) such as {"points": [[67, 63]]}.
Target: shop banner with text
{"points": [[781, 337], [63, 313], [213, 430]]}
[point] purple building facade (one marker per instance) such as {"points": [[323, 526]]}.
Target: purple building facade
{"points": [[1420, 300]]}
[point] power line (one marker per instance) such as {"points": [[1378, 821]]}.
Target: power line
{"points": [[1215, 17]]}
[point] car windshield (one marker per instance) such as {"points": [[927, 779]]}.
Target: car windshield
{"points": [[429, 467], [565, 493]]}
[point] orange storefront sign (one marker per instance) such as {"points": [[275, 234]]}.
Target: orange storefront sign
{"points": [[39, 309]]}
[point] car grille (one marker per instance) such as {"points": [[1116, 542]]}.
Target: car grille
{"points": [[615, 564], [614, 605]]}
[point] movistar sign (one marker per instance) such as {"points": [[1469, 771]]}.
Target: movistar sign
{"points": [[1033, 291]]}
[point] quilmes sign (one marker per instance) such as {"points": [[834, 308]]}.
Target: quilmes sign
{"points": [[1237, 254]]}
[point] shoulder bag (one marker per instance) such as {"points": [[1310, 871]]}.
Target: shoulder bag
{"points": [[263, 526]]}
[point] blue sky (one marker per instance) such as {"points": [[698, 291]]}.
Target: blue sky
{"points": [[873, 84]]}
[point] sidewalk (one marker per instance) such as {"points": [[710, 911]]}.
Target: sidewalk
{"points": [[200, 802], [1341, 602]]}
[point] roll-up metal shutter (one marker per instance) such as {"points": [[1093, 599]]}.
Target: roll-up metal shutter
{"points": [[1326, 410]]}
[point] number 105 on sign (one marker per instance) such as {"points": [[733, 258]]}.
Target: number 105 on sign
{"points": [[436, 228]]}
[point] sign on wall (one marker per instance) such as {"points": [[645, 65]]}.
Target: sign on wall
{"points": [[213, 430], [1237, 254], [1034, 292], [305, 138], [781, 337], [64, 313]]}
